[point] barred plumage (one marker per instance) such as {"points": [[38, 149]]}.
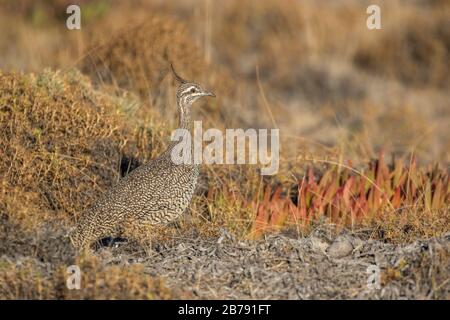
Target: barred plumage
{"points": [[156, 193]]}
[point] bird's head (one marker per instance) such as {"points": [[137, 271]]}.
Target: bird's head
{"points": [[189, 92]]}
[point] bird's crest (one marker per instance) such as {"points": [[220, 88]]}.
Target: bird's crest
{"points": [[177, 77]]}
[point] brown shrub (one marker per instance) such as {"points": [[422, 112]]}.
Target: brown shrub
{"points": [[416, 53], [280, 37], [258, 33], [138, 58], [30, 279], [60, 143]]}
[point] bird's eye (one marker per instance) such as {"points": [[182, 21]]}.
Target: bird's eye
{"points": [[192, 90]]}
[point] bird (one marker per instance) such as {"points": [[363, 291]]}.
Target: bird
{"points": [[154, 193]]}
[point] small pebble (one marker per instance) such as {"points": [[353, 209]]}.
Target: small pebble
{"points": [[340, 248], [319, 244]]}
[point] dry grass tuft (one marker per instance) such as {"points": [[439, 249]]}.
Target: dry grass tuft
{"points": [[30, 279], [60, 142], [138, 58], [415, 52]]}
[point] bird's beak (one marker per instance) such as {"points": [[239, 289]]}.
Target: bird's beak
{"points": [[209, 94]]}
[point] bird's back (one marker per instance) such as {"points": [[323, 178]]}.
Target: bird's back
{"points": [[156, 193]]}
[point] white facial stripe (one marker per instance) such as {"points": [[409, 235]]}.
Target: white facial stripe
{"points": [[187, 90]]}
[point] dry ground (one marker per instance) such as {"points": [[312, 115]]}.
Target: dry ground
{"points": [[323, 265], [338, 92], [320, 266]]}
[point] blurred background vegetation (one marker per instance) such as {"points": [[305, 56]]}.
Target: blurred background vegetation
{"points": [[324, 75], [80, 108]]}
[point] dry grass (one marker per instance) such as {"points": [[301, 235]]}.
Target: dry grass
{"points": [[418, 56], [337, 91], [138, 59], [30, 279], [60, 140]]}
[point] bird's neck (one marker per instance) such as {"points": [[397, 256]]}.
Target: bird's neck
{"points": [[184, 114], [185, 124]]}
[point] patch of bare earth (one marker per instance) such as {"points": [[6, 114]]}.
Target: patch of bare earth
{"points": [[320, 266]]}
